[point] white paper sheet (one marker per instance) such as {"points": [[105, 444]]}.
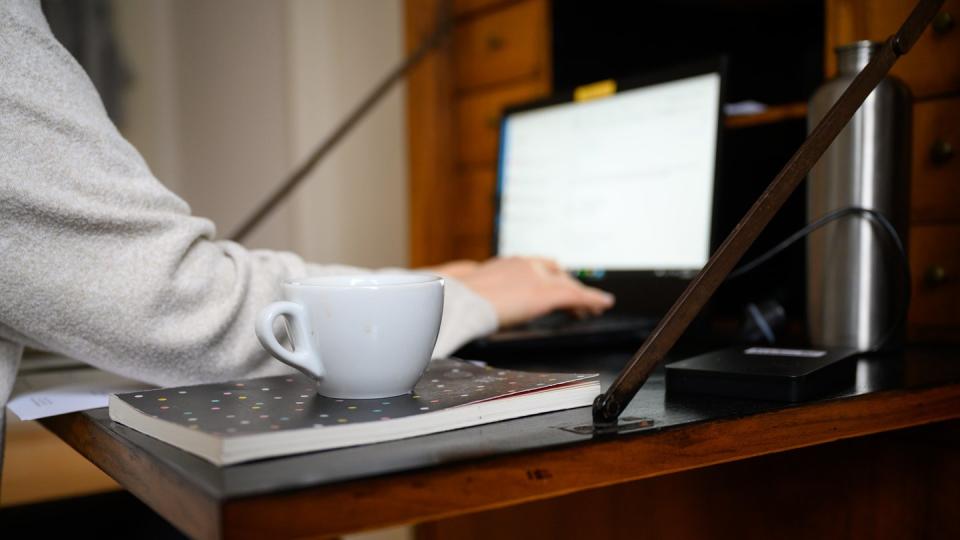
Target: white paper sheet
{"points": [[49, 393]]}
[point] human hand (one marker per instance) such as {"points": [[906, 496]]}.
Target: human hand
{"points": [[524, 288]]}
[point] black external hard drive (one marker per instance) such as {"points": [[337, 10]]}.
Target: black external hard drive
{"points": [[765, 373]]}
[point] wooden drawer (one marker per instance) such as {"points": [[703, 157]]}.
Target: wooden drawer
{"points": [[932, 66], [935, 264], [468, 6], [472, 247], [935, 180], [478, 119], [472, 219], [508, 44], [473, 200]]}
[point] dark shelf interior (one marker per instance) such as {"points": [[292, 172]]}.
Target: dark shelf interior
{"points": [[775, 48], [774, 52]]}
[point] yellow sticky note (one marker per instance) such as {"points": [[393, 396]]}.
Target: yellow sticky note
{"points": [[595, 90]]}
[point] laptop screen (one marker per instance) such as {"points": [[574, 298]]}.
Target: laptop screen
{"points": [[623, 182]]}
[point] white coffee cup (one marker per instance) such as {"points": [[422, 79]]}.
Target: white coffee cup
{"points": [[361, 336]]}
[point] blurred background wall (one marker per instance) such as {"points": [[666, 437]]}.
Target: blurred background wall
{"points": [[226, 96], [223, 98]]}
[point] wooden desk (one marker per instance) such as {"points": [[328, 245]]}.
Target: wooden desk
{"points": [[504, 464]]}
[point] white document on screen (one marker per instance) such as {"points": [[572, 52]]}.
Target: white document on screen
{"points": [[620, 183]]}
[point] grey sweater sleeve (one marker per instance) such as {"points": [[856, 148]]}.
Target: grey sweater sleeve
{"points": [[100, 262]]}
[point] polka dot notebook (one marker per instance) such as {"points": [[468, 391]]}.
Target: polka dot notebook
{"points": [[260, 418]]}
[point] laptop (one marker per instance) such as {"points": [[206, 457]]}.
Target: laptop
{"points": [[615, 181]]}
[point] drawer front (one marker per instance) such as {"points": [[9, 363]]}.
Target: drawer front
{"points": [[505, 45], [468, 6], [478, 120], [935, 264], [471, 247], [935, 180], [930, 69]]}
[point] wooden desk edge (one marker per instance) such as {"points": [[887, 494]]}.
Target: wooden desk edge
{"points": [[501, 481], [182, 504]]}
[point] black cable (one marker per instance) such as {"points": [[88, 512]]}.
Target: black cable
{"points": [[892, 236]]}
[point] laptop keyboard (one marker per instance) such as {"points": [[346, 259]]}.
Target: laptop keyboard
{"points": [[563, 324]]}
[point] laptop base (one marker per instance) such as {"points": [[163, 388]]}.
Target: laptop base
{"points": [[558, 330]]}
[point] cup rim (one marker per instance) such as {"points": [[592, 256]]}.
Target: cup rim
{"points": [[367, 280]]}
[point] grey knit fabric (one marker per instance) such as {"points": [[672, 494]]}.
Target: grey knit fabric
{"points": [[100, 262]]}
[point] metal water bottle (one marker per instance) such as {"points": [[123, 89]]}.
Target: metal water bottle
{"points": [[851, 272]]}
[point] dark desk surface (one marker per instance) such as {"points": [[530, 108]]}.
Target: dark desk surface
{"points": [[462, 471]]}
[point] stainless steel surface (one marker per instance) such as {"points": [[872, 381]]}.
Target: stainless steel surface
{"points": [[851, 276]]}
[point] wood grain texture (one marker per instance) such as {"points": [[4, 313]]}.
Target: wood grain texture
{"points": [[194, 513], [935, 178], [935, 309], [466, 7], [888, 486], [773, 114], [504, 45], [472, 223], [515, 479], [478, 119], [930, 69], [475, 196], [499, 53], [430, 128]]}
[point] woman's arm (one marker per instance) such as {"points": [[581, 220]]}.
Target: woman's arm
{"points": [[100, 262]]}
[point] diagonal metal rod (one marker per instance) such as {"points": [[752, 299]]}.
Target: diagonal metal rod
{"points": [[609, 405], [444, 24]]}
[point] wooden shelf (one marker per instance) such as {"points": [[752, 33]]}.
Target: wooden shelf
{"points": [[773, 114]]}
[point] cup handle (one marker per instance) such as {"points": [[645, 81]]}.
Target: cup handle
{"points": [[303, 358]]}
